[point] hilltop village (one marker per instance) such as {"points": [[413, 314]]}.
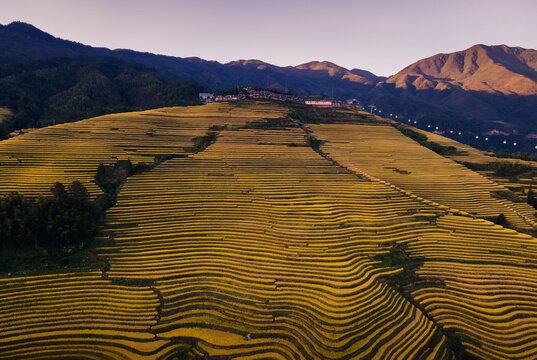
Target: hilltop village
{"points": [[259, 93]]}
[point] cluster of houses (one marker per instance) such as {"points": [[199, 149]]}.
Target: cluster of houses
{"points": [[257, 93]]}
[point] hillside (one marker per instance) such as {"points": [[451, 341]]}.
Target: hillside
{"points": [[59, 90], [481, 90], [21, 41], [298, 233], [491, 69], [484, 90]]}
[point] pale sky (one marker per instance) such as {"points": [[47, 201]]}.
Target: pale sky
{"points": [[381, 36]]}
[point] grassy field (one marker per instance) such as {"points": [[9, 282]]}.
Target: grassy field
{"points": [[280, 240]]}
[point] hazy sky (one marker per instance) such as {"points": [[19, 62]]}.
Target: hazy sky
{"points": [[382, 36]]}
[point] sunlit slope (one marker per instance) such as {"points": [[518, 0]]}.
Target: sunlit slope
{"points": [[33, 162], [383, 153], [466, 153], [479, 280], [253, 236], [78, 316], [258, 247]]}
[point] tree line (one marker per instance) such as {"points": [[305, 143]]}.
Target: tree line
{"points": [[61, 222]]}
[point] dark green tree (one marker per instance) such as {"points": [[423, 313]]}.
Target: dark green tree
{"points": [[501, 220], [531, 198], [58, 191]]}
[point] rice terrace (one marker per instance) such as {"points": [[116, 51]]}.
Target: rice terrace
{"points": [[285, 237], [253, 180]]}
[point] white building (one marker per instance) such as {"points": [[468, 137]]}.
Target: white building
{"points": [[319, 103], [206, 97]]}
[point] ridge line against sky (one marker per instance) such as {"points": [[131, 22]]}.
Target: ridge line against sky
{"points": [[382, 36]]}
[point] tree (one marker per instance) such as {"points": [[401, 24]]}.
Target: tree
{"points": [[501, 220], [531, 198], [100, 176], [78, 192], [58, 191]]}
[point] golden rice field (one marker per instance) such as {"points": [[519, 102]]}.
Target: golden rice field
{"points": [[33, 162], [383, 153], [253, 236], [78, 315], [260, 248], [472, 155]]}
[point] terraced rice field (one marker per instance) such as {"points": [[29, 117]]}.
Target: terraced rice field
{"points": [[253, 236], [80, 316], [487, 285], [33, 162], [260, 248], [383, 153]]}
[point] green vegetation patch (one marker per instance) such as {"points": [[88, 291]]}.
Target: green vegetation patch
{"points": [[109, 177], [272, 123], [397, 258], [49, 231], [532, 201], [314, 142], [506, 154], [423, 140], [312, 115], [507, 195], [513, 170], [231, 127], [202, 142]]}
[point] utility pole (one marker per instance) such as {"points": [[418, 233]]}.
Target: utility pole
{"points": [[371, 107]]}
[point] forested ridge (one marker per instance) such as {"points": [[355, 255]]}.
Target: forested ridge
{"points": [[47, 92]]}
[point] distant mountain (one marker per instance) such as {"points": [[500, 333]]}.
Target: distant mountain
{"points": [[491, 69], [484, 90], [325, 68], [20, 41], [481, 90]]}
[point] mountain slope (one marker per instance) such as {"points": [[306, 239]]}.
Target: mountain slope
{"points": [[479, 91], [323, 68], [20, 41], [66, 89], [483, 90], [490, 69]]}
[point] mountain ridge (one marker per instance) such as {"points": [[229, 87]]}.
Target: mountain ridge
{"points": [[493, 69], [483, 89], [41, 45]]}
